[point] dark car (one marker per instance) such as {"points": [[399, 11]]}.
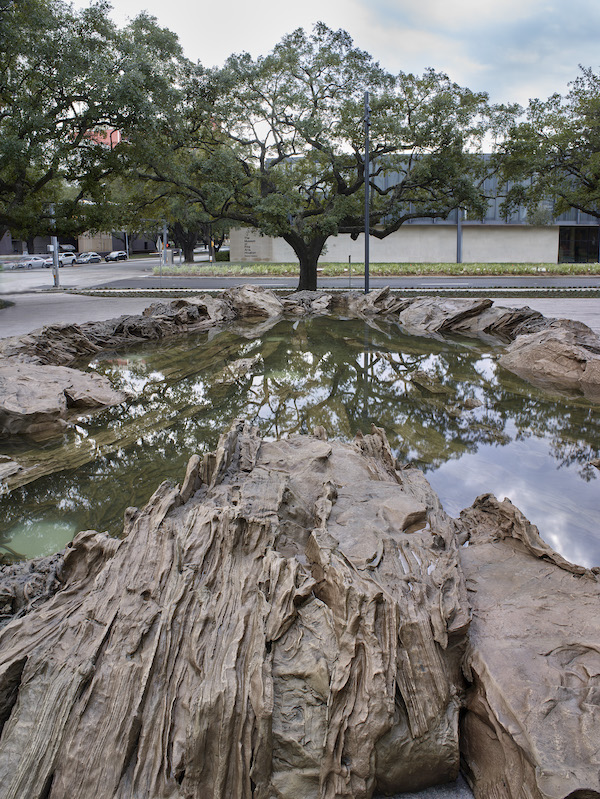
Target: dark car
{"points": [[116, 255]]}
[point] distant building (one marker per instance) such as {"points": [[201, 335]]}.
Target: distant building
{"points": [[96, 242], [570, 238], [108, 136]]}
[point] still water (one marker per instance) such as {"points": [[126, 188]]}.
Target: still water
{"points": [[517, 442]]}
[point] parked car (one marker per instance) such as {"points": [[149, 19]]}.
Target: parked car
{"points": [[29, 262], [68, 258], [116, 255], [49, 261], [88, 258]]}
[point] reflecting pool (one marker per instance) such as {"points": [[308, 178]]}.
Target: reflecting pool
{"points": [[445, 405]]}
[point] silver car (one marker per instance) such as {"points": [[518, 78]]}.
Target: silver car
{"points": [[88, 258], [30, 261]]}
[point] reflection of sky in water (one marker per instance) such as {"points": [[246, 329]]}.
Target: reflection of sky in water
{"points": [[520, 443], [564, 507]]}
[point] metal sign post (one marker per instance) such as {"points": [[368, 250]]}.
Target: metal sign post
{"points": [[367, 178], [54, 244]]}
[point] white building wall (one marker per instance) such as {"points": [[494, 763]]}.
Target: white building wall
{"points": [[414, 244], [410, 244], [503, 244], [247, 245]]}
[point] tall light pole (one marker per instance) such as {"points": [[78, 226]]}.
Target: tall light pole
{"points": [[54, 242], [367, 177]]}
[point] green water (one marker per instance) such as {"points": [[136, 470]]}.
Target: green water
{"points": [[520, 442]]}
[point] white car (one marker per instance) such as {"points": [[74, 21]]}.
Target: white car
{"points": [[30, 261], [49, 261], [68, 258]]}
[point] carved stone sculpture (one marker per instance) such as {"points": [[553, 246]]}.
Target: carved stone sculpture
{"points": [[288, 623]]}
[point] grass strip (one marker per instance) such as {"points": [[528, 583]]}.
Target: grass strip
{"points": [[224, 269]]}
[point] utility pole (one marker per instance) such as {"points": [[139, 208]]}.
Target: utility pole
{"points": [[367, 178], [163, 255], [54, 243], [459, 235]]}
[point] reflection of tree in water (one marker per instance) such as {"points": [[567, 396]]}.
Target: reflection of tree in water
{"points": [[342, 375]]}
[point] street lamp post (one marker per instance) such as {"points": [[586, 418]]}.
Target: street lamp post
{"points": [[459, 235], [367, 178], [54, 243]]}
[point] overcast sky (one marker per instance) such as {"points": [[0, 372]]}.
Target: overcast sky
{"points": [[513, 49]]}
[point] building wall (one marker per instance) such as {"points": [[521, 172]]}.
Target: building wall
{"points": [[508, 244], [95, 242], [249, 246], [414, 244]]}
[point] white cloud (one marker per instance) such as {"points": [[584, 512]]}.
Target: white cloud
{"points": [[513, 49]]}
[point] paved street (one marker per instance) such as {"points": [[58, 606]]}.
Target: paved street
{"points": [[138, 273], [36, 303]]}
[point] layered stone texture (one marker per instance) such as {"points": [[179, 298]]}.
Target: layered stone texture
{"points": [[289, 622], [532, 722]]}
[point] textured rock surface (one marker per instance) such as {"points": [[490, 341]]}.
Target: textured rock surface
{"points": [[37, 399], [432, 315], [253, 301], [27, 584], [63, 344], [294, 629], [293, 622], [532, 723], [501, 323], [565, 355]]}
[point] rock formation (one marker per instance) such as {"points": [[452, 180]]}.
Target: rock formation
{"points": [[562, 355], [292, 621], [299, 619], [532, 721], [565, 356], [288, 623], [38, 399]]}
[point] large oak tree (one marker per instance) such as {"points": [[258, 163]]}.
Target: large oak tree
{"points": [[277, 143]]}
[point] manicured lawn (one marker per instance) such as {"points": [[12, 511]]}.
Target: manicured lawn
{"points": [[333, 269]]}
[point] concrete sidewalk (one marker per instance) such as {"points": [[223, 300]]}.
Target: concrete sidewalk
{"points": [[31, 311]]}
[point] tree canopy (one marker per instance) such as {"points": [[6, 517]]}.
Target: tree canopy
{"points": [[277, 143], [64, 76], [553, 155]]}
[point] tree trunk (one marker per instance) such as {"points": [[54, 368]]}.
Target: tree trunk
{"points": [[188, 252], [186, 239], [308, 253]]}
